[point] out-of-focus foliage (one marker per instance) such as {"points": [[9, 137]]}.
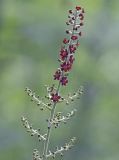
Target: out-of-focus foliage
{"points": [[31, 32]]}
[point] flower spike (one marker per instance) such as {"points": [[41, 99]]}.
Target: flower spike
{"points": [[70, 44]]}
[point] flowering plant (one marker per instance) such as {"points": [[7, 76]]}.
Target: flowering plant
{"points": [[66, 59]]}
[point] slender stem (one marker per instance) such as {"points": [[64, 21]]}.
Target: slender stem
{"points": [[46, 144]]}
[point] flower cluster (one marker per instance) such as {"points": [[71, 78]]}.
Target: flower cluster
{"points": [[66, 55], [53, 95]]}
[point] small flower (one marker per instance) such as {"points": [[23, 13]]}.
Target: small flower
{"points": [[72, 48], [55, 97], [74, 37], [66, 66], [64, 81], [57, 75], [63, 54], [65, 41], [78, 8], [71, 59]]}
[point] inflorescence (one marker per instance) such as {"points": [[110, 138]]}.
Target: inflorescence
{"points": [[69, 46], [53, 97]]}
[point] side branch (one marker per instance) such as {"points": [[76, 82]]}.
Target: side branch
{"points": [[32, 131], [60, 150], [37, 100]]}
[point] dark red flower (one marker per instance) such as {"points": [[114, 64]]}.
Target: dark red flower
{"points": [[64, 81], [72, 48], [55, 97], [63, 54], [57, 75], [65, 41], [66, 66], [78, 8], [66, 54], [71, 59], [74, 37]]}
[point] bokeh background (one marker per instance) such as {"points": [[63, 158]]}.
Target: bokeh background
{"points": [[31, 32]]}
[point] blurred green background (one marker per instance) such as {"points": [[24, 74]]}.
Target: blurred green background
{"points": [[31, 32]]}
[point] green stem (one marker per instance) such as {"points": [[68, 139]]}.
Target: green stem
{"points": [[46, 144]]}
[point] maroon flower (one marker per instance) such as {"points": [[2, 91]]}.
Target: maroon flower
{"points": [[72, 48], [78, 8], [66, 54], [57, 75], [64, 81], [74, 37], [55, 97], [66, 66], [71, 59], [65, 41], [63, 54]]}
